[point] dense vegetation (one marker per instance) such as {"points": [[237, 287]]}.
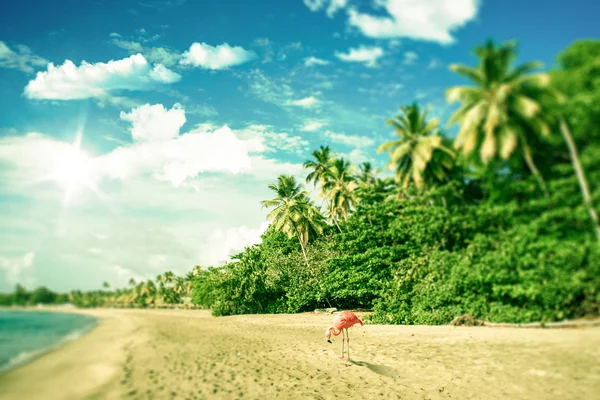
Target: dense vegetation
{"points": [[498, 222]]}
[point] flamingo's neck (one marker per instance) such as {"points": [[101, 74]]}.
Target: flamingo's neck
{"points": [[335, 331]]}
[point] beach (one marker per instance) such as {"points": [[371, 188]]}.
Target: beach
{"points": [[183, 354]]}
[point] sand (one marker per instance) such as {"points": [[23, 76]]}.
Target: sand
{"points": [[169, 354]]}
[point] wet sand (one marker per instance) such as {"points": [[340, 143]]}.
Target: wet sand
{"points": [[170, 354]]}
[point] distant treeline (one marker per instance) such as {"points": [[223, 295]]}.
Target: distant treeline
{"points": [[22, 297]]}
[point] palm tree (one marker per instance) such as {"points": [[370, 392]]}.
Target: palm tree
{"points": [[293, 212], [411, 154], [502, 110], [323, 159], [367, 174], [339, 188]]}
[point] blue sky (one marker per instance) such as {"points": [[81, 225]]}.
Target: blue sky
{"points": [[139, 136]]}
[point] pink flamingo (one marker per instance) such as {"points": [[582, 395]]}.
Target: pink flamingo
{"points": [[343, 320]]}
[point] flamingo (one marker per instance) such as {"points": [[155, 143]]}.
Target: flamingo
{"points": [[343, 320]]}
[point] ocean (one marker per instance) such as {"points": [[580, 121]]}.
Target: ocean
{"points": [[25, 335]]}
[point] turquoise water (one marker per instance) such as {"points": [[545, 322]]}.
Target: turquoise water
{"points": [[25, 335]]}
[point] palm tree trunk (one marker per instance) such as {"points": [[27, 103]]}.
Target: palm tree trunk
{"points": [[304, 253], [533, 168], [336, 224], [302, 246], [585, 191]]}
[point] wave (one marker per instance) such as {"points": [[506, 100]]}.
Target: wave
{"points": [[27, 356]]}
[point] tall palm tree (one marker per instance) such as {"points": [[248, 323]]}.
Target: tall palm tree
{"points": [[339, 188], [323, 158], [411, 154], [502, 110], [293, 212]]}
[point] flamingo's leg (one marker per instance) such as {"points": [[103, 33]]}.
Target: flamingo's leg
{"points": [[343, 340], [348, 340]]}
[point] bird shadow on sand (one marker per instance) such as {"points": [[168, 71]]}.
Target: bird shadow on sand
{"points": [[378, 369]]}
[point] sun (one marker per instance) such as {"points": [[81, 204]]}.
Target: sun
{"points": [[72, 170]]}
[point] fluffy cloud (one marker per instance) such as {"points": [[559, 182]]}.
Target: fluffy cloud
{"points": [[311, 61], [178, 159], [332, 5], [220, 57], [23, 59], [312, 126], [432, 20], [306, 102], [350, 140], [367, 55], [68, 81], [155, 122]]}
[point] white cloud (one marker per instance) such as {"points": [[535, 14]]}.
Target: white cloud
{"points": [[432, 20], [306, 102], [17, 269], [350, 140], [367, 55], [312, 126], [333, 6], [68, 81], [410, 57], [219, 57], [24, 60], [223, 243], [151, 123], [311, 61], [178, 159]]}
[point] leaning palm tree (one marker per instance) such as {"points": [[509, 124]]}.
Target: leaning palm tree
{"points": [[502, 110], [412, 152], [293, 212], [339, 189]]}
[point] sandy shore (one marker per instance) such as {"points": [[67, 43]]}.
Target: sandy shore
{"points": [[190, 355]]}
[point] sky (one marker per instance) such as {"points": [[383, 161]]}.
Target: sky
{"points": [[139, 137]]}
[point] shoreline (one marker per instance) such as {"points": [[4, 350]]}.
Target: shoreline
{"points": [[190, 354], [56, 366]]}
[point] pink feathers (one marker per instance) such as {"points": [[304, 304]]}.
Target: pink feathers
{"points": [[343, 320]]}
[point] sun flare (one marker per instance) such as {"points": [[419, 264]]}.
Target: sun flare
{"points": [[72, 170]]}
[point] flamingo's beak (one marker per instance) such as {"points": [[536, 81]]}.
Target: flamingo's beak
{"points": [[328, 340]]}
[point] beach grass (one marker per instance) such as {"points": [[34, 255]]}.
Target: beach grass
{"points": [[170, 354]]}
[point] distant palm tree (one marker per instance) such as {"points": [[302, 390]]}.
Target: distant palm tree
{"points": [[367, 174], [502, 110], [412, 153], [105, 285], [339, 189], [293, 212]]}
